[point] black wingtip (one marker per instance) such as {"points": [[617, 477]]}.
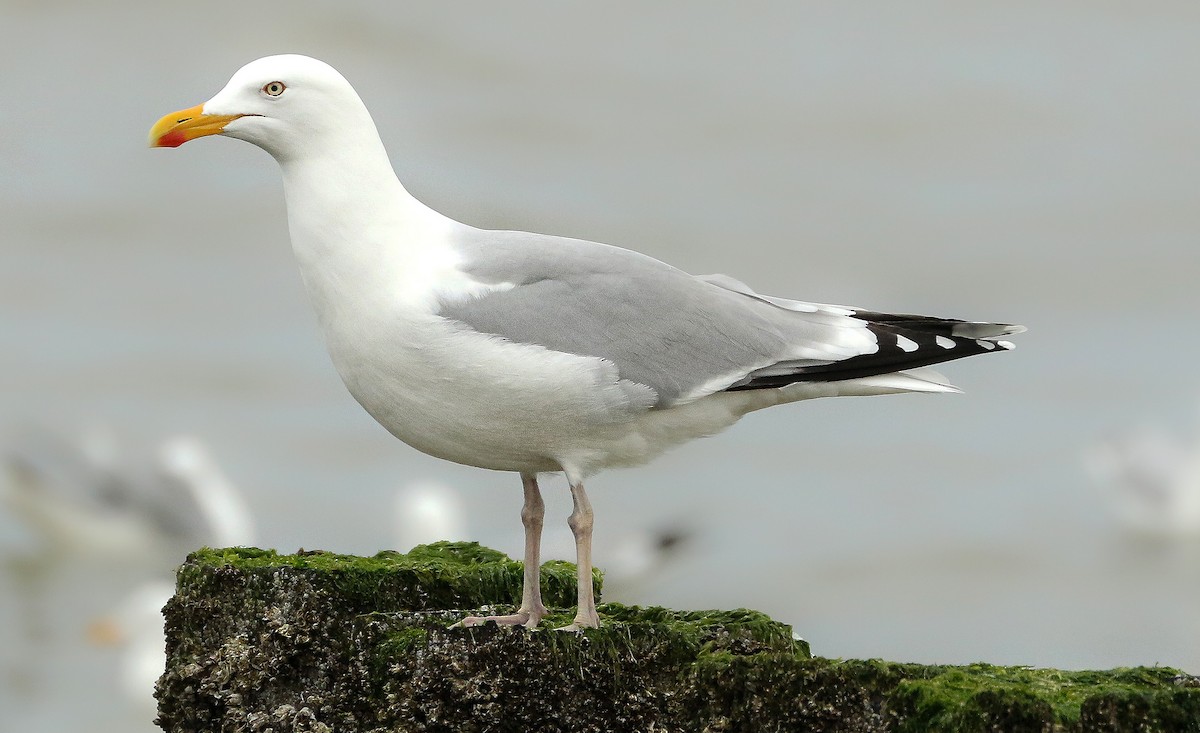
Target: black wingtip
{"points": [[904, 342]]}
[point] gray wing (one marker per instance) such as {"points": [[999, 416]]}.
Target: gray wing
{"points": [[660, 326], [681, 335]]}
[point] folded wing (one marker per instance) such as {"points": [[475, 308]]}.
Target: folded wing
{"points": [[686, 336]]}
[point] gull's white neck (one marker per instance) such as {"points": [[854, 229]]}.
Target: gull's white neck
{"points": [[346, 198], [354, 226]]}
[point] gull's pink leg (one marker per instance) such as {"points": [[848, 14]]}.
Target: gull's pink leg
{"points": [[580, 522], [532, 610]]}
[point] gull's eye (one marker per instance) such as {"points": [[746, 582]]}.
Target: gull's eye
{"points": [[273, 88]]}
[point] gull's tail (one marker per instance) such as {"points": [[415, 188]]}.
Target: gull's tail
{"points": [[905, 342]]}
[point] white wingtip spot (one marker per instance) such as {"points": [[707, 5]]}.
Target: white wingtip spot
{"points": [[1006, 345], [870, 348], [906, 344], [989, 345], [944, 342]]}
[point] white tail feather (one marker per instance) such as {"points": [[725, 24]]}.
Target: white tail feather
{"points": [[910, 380]]}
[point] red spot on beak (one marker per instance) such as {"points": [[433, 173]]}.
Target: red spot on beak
{"points": [[172, 139]]}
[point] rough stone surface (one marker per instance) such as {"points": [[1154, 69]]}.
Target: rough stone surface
{"points": [[314, 642]]}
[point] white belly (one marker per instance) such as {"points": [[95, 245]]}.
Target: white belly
{"points": [[475, 399], [482, 401]]}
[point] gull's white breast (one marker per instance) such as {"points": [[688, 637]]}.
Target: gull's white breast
{"points": [[447, 390]]}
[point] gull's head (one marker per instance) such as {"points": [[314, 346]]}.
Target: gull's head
{"points": [[283, 104]]}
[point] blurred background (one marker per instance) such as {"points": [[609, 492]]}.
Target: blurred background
{"points": [[1015, 161]]}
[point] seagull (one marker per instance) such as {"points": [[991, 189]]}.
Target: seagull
{"points": [[428, 512], [136, 627], [636, 558], [80, 498], [1151, 481], [530, 353]]}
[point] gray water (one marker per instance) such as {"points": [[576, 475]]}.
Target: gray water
{"points": [[1026, 162]]}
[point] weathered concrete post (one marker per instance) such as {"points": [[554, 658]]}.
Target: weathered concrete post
{"points": [[264, 643]]}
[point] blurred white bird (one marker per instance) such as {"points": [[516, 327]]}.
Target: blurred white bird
{"points": [[635, 558], [136, 628], [81, 499], [185, 461], [1151, 480], [426, 512], [79, 496]]}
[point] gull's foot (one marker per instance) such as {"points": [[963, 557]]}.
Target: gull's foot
{"points": [[528, 619], [582, 621]]}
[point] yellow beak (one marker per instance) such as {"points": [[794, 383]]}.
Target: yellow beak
{"points": [[177, 128]]}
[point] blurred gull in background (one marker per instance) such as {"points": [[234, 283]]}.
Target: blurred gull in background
{"points": [[85, 504], [78, 497], [75, 496], [185, 461], [641, 558], [136, 628], [427, 512], [633, 560], [82, 501], [1151, 481]]}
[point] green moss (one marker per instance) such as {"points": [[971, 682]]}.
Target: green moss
{"points": [[443, 575], [446, 554], [979, 696], [627, 635], [462, 553], [402, 641], [912, 698], [708, 632]]}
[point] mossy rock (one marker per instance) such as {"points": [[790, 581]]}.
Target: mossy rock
{"points": [[259, 641]]}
